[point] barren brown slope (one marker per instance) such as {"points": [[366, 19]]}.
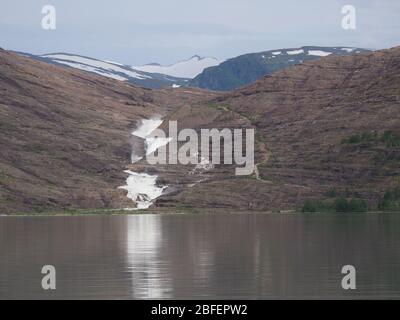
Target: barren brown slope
{"points": [[306, 117], [64, 134]]}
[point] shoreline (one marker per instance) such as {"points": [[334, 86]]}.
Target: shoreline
{"points": [[175, 211]]}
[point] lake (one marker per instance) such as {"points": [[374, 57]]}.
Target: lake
{"points": [[201, 256]]}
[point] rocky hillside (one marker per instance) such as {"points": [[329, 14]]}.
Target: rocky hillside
{"points": [[327, 128], [244, 69], [64, 134]]}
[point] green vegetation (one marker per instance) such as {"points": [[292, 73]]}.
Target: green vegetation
{"points": [[186, 210], [363, 137], [312, 205], [3, 178], [332, 193], [213, 105], [340, 204], [391, 139], [34, 148], [339, 201], [354, 205], [347, 201], [390, 200], [4, 197], [388, 137]]}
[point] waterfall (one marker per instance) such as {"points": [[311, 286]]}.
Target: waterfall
{"points": [[141, 187]]}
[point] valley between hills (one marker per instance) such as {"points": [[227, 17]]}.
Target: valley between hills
{"points": [[327, 131]]}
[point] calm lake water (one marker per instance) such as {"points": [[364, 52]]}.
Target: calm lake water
{"points": [[249, 256]]}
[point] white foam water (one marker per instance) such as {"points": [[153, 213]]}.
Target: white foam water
{"points": [[141, 187], [152, 144], [146, 127]]}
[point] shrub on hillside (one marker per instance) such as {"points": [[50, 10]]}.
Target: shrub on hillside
{"points": [[340, 205], [390, 200]]}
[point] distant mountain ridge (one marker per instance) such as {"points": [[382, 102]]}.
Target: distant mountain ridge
{"points": [[244, 69], [151, 75], [201, 72], [113, 70]]}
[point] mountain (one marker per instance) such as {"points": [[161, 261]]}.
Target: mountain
{"points": [[201, 72], [244, 69], [184, 69], [111, 70], [324, 129], [65, 134]]}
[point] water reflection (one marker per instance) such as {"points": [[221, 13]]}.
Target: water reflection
{"points": [[150, 278], [200, 256]]}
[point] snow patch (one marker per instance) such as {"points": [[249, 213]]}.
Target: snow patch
{"points": [[318, 53], [183, 69], [348, 49], [276, 53], [113, 62], [92, 69], [98, 66], [294, 52]]}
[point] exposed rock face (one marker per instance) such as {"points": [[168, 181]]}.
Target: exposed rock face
{"points": [[65, 135]]}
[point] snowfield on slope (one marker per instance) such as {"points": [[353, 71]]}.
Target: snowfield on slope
{"points": [[318, 53], [183, 69], [97, 66]]}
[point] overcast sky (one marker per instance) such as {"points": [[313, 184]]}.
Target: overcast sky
{"points": [[165, 31]]}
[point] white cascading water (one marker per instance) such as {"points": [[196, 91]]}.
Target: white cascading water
{"points": [[141, 187]]}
